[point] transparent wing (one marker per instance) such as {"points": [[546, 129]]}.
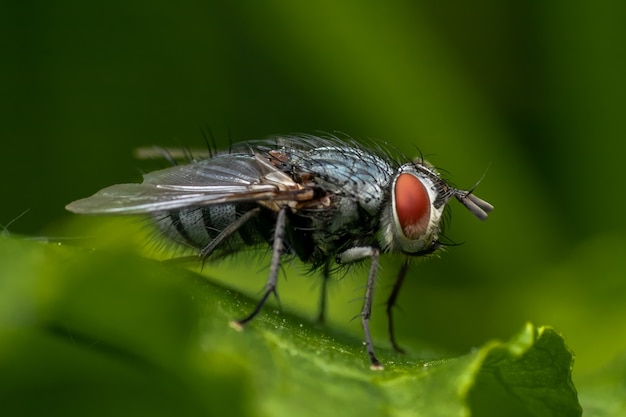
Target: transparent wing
{"points": [[223, 179]]}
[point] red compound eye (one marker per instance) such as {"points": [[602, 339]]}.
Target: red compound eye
{"points": [[412, 205]]}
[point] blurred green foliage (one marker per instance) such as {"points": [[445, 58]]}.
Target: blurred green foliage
{"points": [[533, 91]]}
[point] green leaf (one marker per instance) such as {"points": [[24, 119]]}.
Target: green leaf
{"points": [[102, 333]]}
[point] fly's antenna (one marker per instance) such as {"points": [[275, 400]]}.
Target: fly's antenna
{"points": [[471, 190], [479, 207]]}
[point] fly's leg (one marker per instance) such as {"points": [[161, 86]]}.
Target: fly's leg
{"points": [[228, 231], [277, 251], [353, 255], [366, 312], [391, 302]]}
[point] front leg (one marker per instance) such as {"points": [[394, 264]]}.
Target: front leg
{"points": [[356, 254]]}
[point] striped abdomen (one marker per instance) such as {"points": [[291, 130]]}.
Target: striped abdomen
{"points": [[198, 227]]}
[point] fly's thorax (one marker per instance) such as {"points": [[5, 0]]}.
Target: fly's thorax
{"points": [[352, 174], [410, 222]]}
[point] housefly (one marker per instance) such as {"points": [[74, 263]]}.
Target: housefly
{"points": [[328, 201]]}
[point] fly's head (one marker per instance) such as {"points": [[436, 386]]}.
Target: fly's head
{"points": [[418, 196]]}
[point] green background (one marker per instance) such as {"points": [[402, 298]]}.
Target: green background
{"points": [[532, 93]]}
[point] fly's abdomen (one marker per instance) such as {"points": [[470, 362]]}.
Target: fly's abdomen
{"points": [[198, 227]]}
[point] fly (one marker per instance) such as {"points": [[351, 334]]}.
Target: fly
{"points": [[330, 202]]}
